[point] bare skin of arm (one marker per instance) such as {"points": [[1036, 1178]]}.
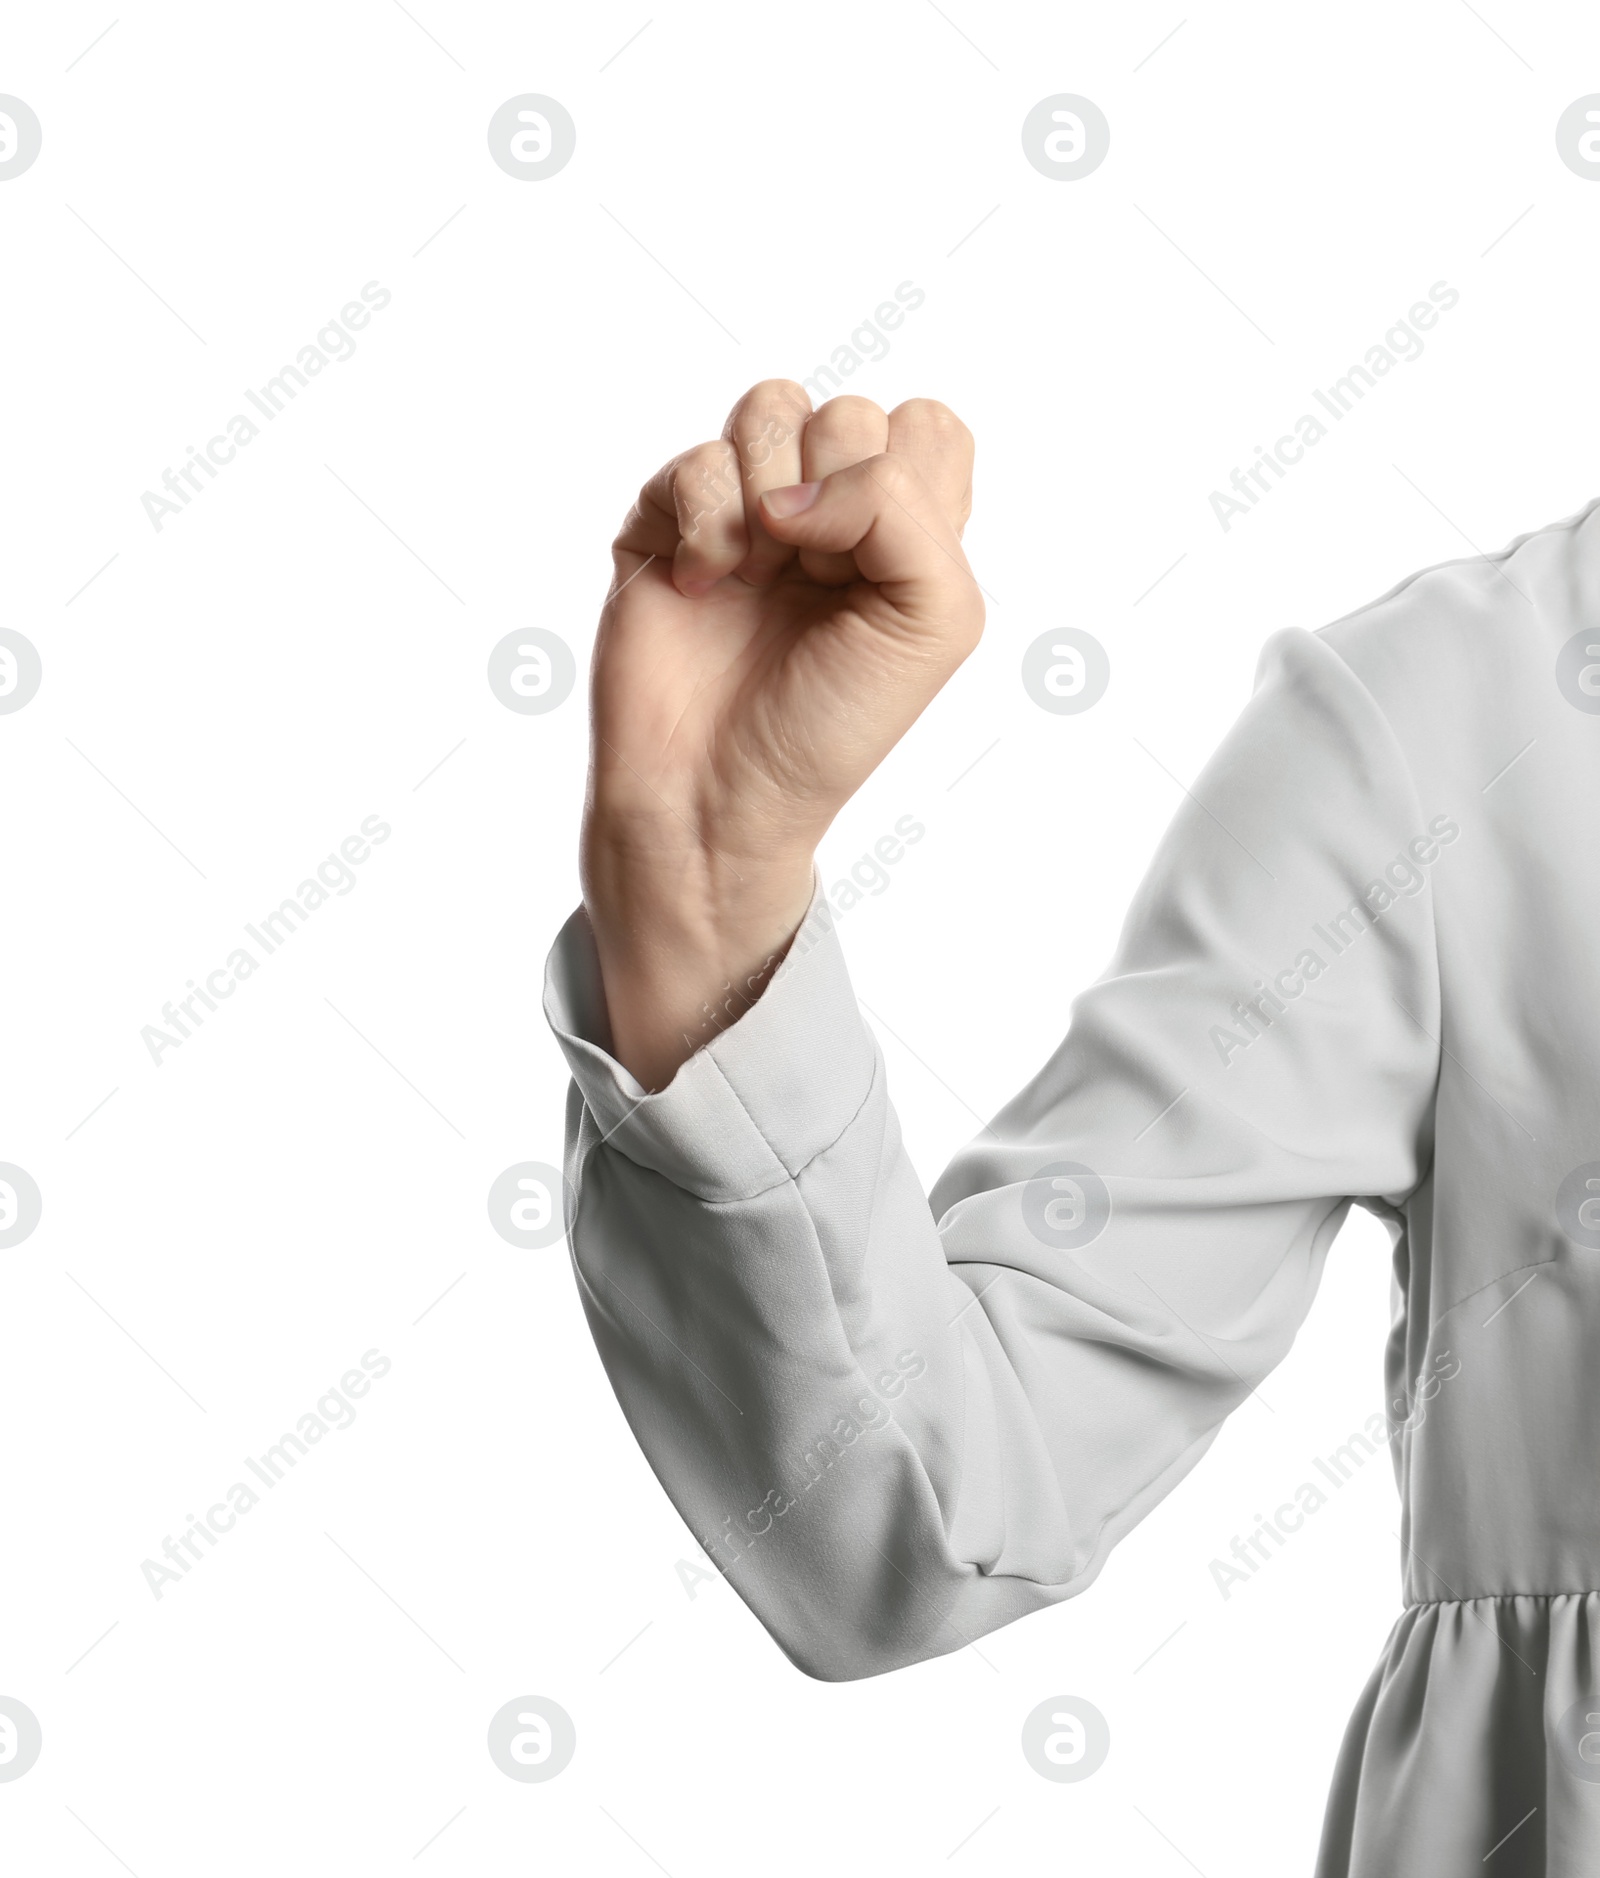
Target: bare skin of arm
{"points": [[786, 602]]}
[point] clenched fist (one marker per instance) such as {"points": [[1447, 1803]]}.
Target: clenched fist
{"points": [[786, 603]]}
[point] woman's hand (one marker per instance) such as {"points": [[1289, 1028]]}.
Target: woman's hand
{"points": [[786, 603]]}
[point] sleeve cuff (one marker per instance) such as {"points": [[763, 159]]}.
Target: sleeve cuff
{"points": [[750, 1108]]}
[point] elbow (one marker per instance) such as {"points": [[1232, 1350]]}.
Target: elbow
{"points": [[845, 1651], [836, 1624]]}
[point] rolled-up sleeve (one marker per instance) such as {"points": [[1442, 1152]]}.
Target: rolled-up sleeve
{"points": [[897, 1420]]}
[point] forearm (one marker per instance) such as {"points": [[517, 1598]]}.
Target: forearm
{"points": [[766, 1287]]}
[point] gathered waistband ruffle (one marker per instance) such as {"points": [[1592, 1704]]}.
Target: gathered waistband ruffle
{"points": [[1475, 1747]]}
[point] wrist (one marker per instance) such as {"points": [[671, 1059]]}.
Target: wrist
{"points": [[687, 942], [690, 898]]}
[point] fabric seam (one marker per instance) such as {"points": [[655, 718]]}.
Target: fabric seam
{"points": [[1496, 1597], [1438, 976], [787, 1174]]}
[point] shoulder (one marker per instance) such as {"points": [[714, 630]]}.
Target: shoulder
{"points": [[1464, 647]]}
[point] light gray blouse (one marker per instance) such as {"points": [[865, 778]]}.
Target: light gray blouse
{"points": [[1364, 965]]}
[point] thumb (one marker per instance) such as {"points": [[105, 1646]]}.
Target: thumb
{"points": [[884, 513]]}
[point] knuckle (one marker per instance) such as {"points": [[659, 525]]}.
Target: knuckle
{"points": [[768, 415], [927, 417], [705, 480], [851, 404], [702, 458], [850, 418], [778, 394]]}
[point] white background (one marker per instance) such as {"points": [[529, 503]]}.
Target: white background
{"points": [[229, 697]]}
